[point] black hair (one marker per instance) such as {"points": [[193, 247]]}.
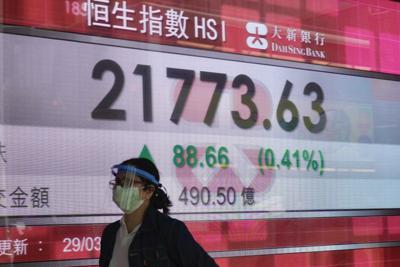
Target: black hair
{"points": [[159, 199]]}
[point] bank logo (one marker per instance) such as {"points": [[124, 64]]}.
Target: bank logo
{"points": [[285, 40], [257, 33]]}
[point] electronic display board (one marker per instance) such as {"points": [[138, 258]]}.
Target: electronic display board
{"points": [[254, 153]]}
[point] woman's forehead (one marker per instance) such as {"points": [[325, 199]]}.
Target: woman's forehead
{"points": [[129, 175]]}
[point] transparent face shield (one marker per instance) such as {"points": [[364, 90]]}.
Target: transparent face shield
{"points": [[124, 177], [127, 186], [125, 174]]}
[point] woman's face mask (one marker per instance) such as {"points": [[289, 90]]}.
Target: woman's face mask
{"points": [[127, 198], [126, 190]]}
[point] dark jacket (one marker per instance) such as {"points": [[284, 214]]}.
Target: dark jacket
{"points": [[161, 241]]}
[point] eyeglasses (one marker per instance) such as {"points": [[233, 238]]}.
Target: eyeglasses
{"points": [[115, 182]]}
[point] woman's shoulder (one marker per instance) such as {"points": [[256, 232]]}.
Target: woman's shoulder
{"points": [[165, 220], [112, 227]]}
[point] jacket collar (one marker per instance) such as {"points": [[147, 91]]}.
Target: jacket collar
{"points": [[150, 219]]}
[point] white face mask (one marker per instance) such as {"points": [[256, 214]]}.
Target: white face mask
{"points": [[127, 198]]}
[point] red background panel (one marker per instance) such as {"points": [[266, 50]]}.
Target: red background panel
{"points": [[376, 257], [359, 34], [49, 242]]}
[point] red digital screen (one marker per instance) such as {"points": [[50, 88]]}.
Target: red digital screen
{"points": [[342, 33]]}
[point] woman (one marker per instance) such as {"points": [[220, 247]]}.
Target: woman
{"points": [[144, 236]]}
